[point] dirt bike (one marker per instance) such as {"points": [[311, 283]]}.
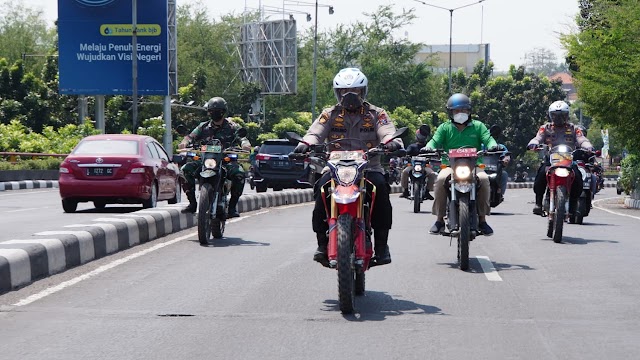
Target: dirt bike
{"points": [[214, 186], [494, 163], [462, 214], [349, 208], [560, 177]]}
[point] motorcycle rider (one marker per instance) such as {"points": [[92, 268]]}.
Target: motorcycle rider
{"points": [[413, 150], [558, 131], [496, 131], [353, 117], [223, 129], [521, 173], [461, 131]]}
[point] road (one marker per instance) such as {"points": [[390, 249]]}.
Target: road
{"points": [[25, 212], [258, 295]]}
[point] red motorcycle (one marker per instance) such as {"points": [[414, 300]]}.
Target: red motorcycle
{"points": [[559, 180], [349, 208]]}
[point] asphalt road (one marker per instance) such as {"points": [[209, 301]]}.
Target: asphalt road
{"points": [[256, 294], [25, 212]]}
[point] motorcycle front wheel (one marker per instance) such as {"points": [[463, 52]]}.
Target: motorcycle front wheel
{"points": [[417, 196], [558, 218], [465, 233], [346, 265], [204, 213]]}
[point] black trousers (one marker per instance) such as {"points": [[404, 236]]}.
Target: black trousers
{"points": [[382, 211], [540, 183]]}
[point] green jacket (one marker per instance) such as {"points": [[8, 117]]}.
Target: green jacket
{"points": [[447, 136]]}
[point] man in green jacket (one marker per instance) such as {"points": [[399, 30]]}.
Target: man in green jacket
{"points": [[461, 131]]}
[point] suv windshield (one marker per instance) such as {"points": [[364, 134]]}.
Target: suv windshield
{"points": [[276, 149]]}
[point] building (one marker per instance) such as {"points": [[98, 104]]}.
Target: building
{"points": [[567, 85]]}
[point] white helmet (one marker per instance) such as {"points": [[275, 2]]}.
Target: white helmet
{"points": [[350, 78], [559, 113]]}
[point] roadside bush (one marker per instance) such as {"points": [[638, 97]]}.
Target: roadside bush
{"points": [[630, 178], [37, 164]]}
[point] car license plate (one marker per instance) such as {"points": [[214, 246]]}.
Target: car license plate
{"points": [[280, 163], [99, 171]]}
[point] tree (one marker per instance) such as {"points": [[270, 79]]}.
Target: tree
{"points": [[543, 61], [607, 56]]}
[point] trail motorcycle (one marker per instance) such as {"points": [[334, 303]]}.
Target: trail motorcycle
{"points": [[213, 186], [521, 173], [462, 214], [584, 160], [494, 163], [349, 208], [559, 180], [418, 180], [393, 174]]}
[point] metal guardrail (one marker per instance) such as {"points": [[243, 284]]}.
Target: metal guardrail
{"points": [[13, 156]]}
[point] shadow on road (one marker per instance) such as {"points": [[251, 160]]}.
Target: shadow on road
{"points": [[476, 268], [568, 240], [231, 241], [377, 305]]}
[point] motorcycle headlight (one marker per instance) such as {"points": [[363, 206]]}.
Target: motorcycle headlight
{"points": [[463, 172], [347, 174], [210, 163], [417, 168], [562, 172]]}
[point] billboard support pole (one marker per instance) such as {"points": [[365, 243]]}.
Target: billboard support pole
{"points": [[99, 113], [134, 63], [167, 140]]}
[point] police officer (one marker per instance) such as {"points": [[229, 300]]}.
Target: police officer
{"points": [[558, 131], [353, 117], [223, 129]]}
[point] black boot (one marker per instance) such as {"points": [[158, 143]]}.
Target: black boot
{"points": [[193, 205], [405, 193], [537, 209], [321, 252], [382, 255], [573, 204], [233, 202]]}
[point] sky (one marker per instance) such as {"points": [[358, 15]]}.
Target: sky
{"points": [[511, 27]]}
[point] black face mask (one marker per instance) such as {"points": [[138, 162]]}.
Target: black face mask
{"points": [[351, 101], [216, 115]]}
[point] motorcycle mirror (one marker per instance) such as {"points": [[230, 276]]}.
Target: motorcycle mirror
{"points": [[293, 136], [242, 132], [399, 133], [182, 130], [598, 153], [425, 130]]}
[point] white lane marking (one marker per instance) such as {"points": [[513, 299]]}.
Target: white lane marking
{"points": [[293, 205], [596, 202], [27, 209], [488, 269], [54, 289], [27, 192]]}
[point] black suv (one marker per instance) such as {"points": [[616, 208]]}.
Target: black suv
{"points": [[274, 170]]}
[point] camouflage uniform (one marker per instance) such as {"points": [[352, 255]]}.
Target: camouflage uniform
{"points": [[226, 134], [373, 126], [552, 135]]}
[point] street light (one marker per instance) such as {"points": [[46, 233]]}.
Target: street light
{"points": [[315, 48], [450, 28]]}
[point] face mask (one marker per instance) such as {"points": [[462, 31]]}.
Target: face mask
{"points": [[351, 101], [460, 118], [216, 115]]}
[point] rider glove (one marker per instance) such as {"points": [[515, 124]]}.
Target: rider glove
{"points": [[301, 148], [495, 148], [531, 146], [390, 146]]}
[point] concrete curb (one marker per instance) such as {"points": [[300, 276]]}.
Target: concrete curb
{"points": [[631, 203], [28, 184]]}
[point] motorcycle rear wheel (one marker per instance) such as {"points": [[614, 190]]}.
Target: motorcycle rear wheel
{"points": [[465, 234], [204, 213], [346, 266], [558, 218], [417, 196]]}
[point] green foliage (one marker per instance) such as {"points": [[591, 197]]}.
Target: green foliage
{"points": [[266, 136], [288, 124], [50, 163], [630, 178], [606, 56], [153, 127], [16, 137]]}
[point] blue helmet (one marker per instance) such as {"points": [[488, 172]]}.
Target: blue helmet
{"points": [[457, 101]]}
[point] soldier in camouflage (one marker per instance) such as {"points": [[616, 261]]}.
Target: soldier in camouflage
{"points": [[354, 118], [558, 131], [223, 129]]}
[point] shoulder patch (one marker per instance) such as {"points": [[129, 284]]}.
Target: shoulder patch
{"points": [[383, 118]]}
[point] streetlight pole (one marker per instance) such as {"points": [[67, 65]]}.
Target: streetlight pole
{"points": [[450, 29], [315, 69]]}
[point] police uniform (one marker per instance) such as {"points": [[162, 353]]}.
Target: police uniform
{"points": [[372, 125], [553, 135], [226, 133]]}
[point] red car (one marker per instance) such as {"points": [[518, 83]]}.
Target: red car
{"points": [[118, 168]]}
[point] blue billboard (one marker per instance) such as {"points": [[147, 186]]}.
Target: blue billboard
{"points": [[96, 50]]}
